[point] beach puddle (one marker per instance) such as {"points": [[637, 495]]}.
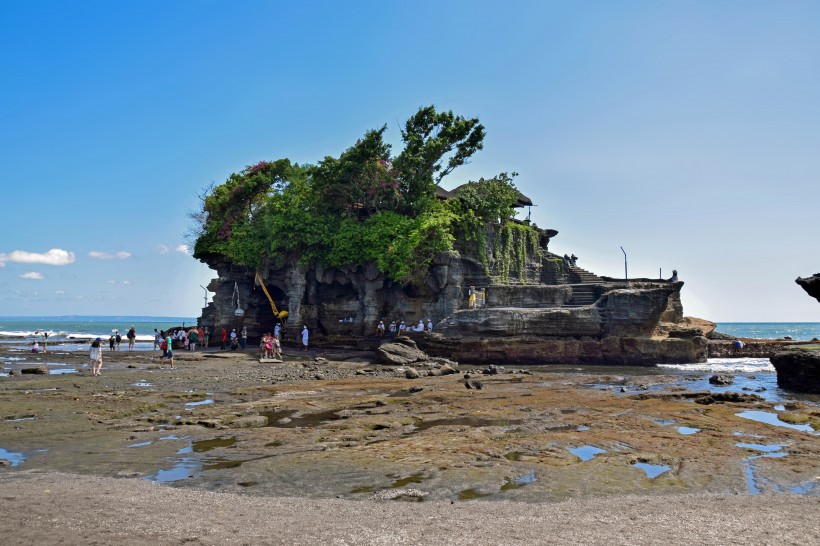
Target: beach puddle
{"points": [[582, 428], [14, 458], [61, 371], [401, 482], [204, 446], [205, 402], [663, 422], [772, 419], [586, 453], [519, 481], [289, 419], [652, 471], [220, 463], [171, 437], [779, 407], [141, 444], [687, 431], [143, 383], [29, 418], [471, 494], [754, 483], [466, 421], [184, 469]]}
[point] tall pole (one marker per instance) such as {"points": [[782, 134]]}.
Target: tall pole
{"points": [[626, 274], [206, 295]]}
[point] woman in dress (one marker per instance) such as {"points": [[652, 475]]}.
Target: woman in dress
{"points": [[95, 355]]}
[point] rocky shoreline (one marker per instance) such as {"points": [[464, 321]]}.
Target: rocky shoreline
{"points": [[343, 426]]}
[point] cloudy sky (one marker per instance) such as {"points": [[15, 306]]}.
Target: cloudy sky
{"points": [[685, 132]]}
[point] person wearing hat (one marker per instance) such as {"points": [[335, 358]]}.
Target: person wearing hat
{"points": [[95, 355], [305, 335]]}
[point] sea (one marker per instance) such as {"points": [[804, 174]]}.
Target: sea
{"points": [[74, 330]]}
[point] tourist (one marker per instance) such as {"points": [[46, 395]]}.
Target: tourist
{"points": [[573, 260], [157, 339], [737, 345], [95, 355], [305, 335], [132, 337], [117, 340], [392, 329], [277, 348], [206, 336], [45, 342], [380, 328], [201, 336], [35, 347], [234, 342], [402, 329], [471, 297], [111, 342], [420, 327], [429, 325], [193, 338], [167, 347], [223, 337], [244, 338], [277, 331]]}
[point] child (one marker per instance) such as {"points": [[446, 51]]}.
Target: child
{"points": [[95, 355]]}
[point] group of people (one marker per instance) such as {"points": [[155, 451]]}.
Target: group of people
{"points": [[270, 345], [476, 298], [400, 328]]}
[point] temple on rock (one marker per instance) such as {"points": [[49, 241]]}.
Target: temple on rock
{"points": [[367, 237], [537, 307]]}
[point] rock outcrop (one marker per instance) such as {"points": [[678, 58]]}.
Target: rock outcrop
{"points": [[798, 370], [546, 310], [811, 285]]}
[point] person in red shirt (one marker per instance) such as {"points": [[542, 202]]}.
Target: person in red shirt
{"points": [[224, 338]]}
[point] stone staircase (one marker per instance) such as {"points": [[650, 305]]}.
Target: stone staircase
{"points": [[582, 295], [582, 276]]}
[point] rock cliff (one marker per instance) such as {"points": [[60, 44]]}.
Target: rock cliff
{"points": [[553, 312]]}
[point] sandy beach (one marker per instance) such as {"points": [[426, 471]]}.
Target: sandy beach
{"points": [[45, 507], [333, 448]]}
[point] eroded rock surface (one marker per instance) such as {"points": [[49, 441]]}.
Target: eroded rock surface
{"points": [[811, 285]]}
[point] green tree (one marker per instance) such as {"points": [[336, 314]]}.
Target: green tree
{"points": [[435, 143]]}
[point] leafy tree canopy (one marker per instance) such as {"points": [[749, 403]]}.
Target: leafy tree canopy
{"points": [[364, 206]]}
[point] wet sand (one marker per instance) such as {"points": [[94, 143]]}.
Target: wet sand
{"points": [[326, 450]]}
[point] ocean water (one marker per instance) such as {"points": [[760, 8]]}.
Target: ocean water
{"points": [[799, 331], [83, 328]]}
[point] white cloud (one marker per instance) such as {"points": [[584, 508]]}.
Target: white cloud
{"points": [[112, 282], [33, 275], [59, 292], [183, 249], [126, 282], [121, 255], [55, 256], [162, 249]]}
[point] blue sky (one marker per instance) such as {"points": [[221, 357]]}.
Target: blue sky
{"points": [[686, 132]]}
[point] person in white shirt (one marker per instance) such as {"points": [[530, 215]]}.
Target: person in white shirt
{"points": [[95, 355], [305, 338], [429, 325]]}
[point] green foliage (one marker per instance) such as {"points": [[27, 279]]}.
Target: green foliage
{"points": [[366, 207], [429, 137]]}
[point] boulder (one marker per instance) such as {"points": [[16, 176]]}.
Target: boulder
{"points": [[411, 373], [38, 370], [811, 285], [798, 371], [400, 353], [719, 379]]}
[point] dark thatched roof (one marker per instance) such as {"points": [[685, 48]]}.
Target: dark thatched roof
{"points": [[521, 199]]}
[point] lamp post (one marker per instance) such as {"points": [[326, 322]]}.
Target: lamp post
{"points": [[626, 274], [206, 295]]}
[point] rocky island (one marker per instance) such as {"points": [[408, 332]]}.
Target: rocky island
{"points": [[798, 368], [367, 238]]}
